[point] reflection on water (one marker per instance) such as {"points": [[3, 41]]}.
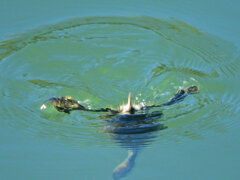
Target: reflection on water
{"points": [[133, 124], [134, 143], [132, 132], [126, 166]]}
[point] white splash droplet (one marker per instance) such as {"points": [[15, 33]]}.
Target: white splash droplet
{"points": [[43, 107]]}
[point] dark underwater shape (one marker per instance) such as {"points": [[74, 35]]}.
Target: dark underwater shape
{"points": [[135, 123]]}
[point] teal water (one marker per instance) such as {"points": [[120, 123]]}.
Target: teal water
{"points": [[97, 57]]}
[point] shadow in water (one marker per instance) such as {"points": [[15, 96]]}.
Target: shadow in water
{"points": [[132, 132]]}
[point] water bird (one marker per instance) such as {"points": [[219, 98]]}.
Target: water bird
{"points": [[68, 104]]}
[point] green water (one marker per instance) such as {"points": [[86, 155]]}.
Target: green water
{"points": [[98, 57]]}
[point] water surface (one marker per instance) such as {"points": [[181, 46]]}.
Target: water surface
{"points": [[98, 60]]}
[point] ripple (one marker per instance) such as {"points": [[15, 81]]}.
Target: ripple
{"points": [[98, 60]]}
